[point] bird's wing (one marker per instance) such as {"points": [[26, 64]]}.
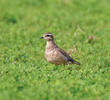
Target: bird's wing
{"points": [[67, 56], [64, 53]]}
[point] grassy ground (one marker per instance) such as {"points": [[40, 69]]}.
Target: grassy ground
{"points": [[24, 72]]}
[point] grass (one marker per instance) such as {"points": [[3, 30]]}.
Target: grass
{"points": [[24, 72]]}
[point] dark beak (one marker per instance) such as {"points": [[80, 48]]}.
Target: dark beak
{"points": [[41, 37]]}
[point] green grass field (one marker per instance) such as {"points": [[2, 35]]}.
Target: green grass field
{"points": [[24, 72]]}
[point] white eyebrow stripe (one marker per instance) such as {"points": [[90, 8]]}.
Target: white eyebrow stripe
{"points": [[48, 34]]}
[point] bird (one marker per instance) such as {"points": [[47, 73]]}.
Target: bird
{"points": [[55, 54]]}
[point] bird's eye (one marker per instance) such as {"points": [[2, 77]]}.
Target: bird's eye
{"points": [[47, 35]]}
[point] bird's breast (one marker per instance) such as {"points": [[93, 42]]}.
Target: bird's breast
{"points": [[50, 54], [53, 56]]}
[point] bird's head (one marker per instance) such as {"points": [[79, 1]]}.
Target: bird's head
{"points": [[47, 36]]}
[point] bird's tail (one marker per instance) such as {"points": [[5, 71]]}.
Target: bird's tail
{"points": [[75, 62]]}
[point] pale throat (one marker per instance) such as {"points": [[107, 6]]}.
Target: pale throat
{"points": [[50, 44]]}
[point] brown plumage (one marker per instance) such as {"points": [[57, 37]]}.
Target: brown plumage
{"points": [[54, 54]]}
